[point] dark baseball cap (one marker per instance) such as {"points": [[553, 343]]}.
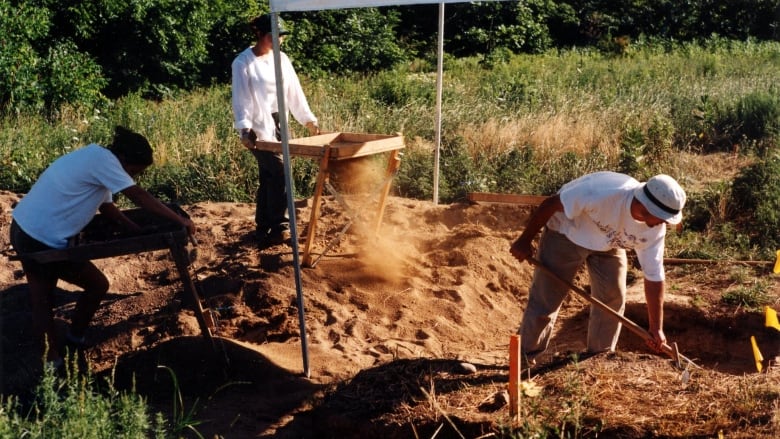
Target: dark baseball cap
{"points": [[262, 24]]}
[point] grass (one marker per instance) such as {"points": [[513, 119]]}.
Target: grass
{"points": [[580, 105], [76, 406]]}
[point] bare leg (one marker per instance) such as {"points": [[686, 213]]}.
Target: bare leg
{"points": [[41, 288], [95, 285]]}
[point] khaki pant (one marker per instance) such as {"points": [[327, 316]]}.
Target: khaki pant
{"points": [[607, 272]]}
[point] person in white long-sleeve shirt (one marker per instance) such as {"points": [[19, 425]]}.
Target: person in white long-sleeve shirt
{"points": [[256, 117]]}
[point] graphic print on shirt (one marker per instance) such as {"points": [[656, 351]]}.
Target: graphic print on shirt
{"points": [[620, 239]]}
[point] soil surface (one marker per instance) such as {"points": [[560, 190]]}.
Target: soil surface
{"points": [[406, 333]]}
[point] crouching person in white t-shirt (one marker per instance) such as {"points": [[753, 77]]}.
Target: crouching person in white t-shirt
{"points": [[63, 200], [593, 220]]}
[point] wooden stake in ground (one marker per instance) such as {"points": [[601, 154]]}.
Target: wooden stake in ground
{"points": [[514, 376]]}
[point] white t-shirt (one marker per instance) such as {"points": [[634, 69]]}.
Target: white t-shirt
{"points": [[597, 215], [68, 194], [254, 93]]}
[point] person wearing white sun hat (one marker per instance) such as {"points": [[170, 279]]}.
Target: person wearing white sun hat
{"points": [[593, 220]]}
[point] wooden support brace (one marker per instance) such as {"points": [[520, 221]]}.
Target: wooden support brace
{"points": [[393, 164]]}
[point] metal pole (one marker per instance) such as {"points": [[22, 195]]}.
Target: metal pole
{"points": [[285, 129], [439, 77]]}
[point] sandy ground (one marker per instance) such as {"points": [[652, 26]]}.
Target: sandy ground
{"points": [[433, 292]]}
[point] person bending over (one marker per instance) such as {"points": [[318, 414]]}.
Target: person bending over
{"points": [[64, 199], [592, 220]]}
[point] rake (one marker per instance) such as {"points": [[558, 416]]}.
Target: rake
{"points": [[670, 351]]}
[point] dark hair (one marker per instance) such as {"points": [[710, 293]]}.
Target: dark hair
{"points": [[262, 24], [131, 147]]}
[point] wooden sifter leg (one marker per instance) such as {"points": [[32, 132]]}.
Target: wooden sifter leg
{"points": [[322, 177], [179, 253], [393, 164]]}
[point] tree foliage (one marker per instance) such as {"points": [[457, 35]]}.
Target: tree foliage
{"points": [[41, 72], [347, 40], [55, 52]]}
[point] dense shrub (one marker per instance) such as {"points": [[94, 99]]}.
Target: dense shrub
{"points": [[687, 20], [755, 197], [750, 123], [350, 40], [757, 117], [75, 51], [146, 46], [414, 176], [484, 27], [41, 72], [77, 406]]}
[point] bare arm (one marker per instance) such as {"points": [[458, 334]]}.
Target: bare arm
{"points": [[522, 248], [654, 296], [112, 212], [145, 200]]}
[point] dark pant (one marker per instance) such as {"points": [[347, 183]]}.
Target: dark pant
{"points": [[24, 243], [42, 280], [271, 214]]}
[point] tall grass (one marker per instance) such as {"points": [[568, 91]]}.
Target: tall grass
{"points": [[557, 114]]}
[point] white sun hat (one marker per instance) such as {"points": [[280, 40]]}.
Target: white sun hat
{"points": [[663, 197]]}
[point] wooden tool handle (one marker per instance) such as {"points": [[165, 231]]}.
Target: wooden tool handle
{"points": [[681, 261], [628, 323]]}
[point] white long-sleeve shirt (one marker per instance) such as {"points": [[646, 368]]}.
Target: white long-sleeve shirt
{"points": [[254, 94]]}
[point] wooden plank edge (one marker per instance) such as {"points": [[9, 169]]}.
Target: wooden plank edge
{"points": [[488, 197]]}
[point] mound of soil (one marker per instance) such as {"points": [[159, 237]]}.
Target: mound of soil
{"points": [[406, 333]]}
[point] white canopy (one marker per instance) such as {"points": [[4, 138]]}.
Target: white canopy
{"points": [[312, 5], [315, 5]]}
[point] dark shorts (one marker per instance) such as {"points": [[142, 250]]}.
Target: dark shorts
{"points": [[24, 244]]}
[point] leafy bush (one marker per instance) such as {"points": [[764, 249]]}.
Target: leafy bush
{"points": [[142, 46], [758, 118], [752, 121], [40, 72], [350, 40], [414, 176], [393, 90], [485, 27], [755, 195], [458, 174], [514, 171], [705, 209], [71, 76]]}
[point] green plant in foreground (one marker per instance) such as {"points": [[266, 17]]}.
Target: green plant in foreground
{"points": [[72, 407], [182, 420]]}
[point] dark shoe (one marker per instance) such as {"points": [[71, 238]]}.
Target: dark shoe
{"points": [[279, 237]]}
